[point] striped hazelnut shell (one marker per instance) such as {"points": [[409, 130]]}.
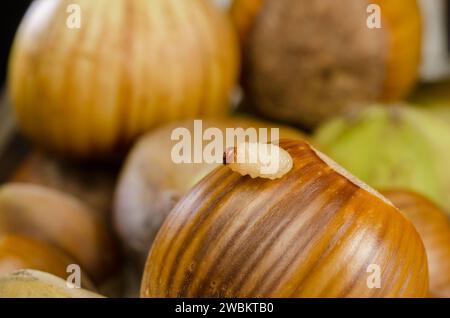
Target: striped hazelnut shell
{"points": [[433, 226], [312, 233]]}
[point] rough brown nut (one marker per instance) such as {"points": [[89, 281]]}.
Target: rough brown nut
{"points": [[305, 61]]}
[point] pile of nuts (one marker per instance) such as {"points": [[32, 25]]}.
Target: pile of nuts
{"points": [[347, 195]]}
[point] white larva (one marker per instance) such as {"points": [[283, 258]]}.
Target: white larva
{"points": [[258, 160]]}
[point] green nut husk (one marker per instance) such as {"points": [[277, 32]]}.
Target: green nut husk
{"points": [[393, 147]]}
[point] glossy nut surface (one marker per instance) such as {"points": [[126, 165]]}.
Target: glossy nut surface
{"points": [[312, 233]]}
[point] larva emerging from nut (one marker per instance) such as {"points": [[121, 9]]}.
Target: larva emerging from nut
{"points": [[258, 160]]}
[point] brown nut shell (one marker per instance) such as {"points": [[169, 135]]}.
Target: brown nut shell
{"points": [[433, 226], [312, 233], [20, 252], [60, 220], [88, 90]]}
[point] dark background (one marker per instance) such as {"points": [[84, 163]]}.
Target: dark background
{"points": [[11, 12]]}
